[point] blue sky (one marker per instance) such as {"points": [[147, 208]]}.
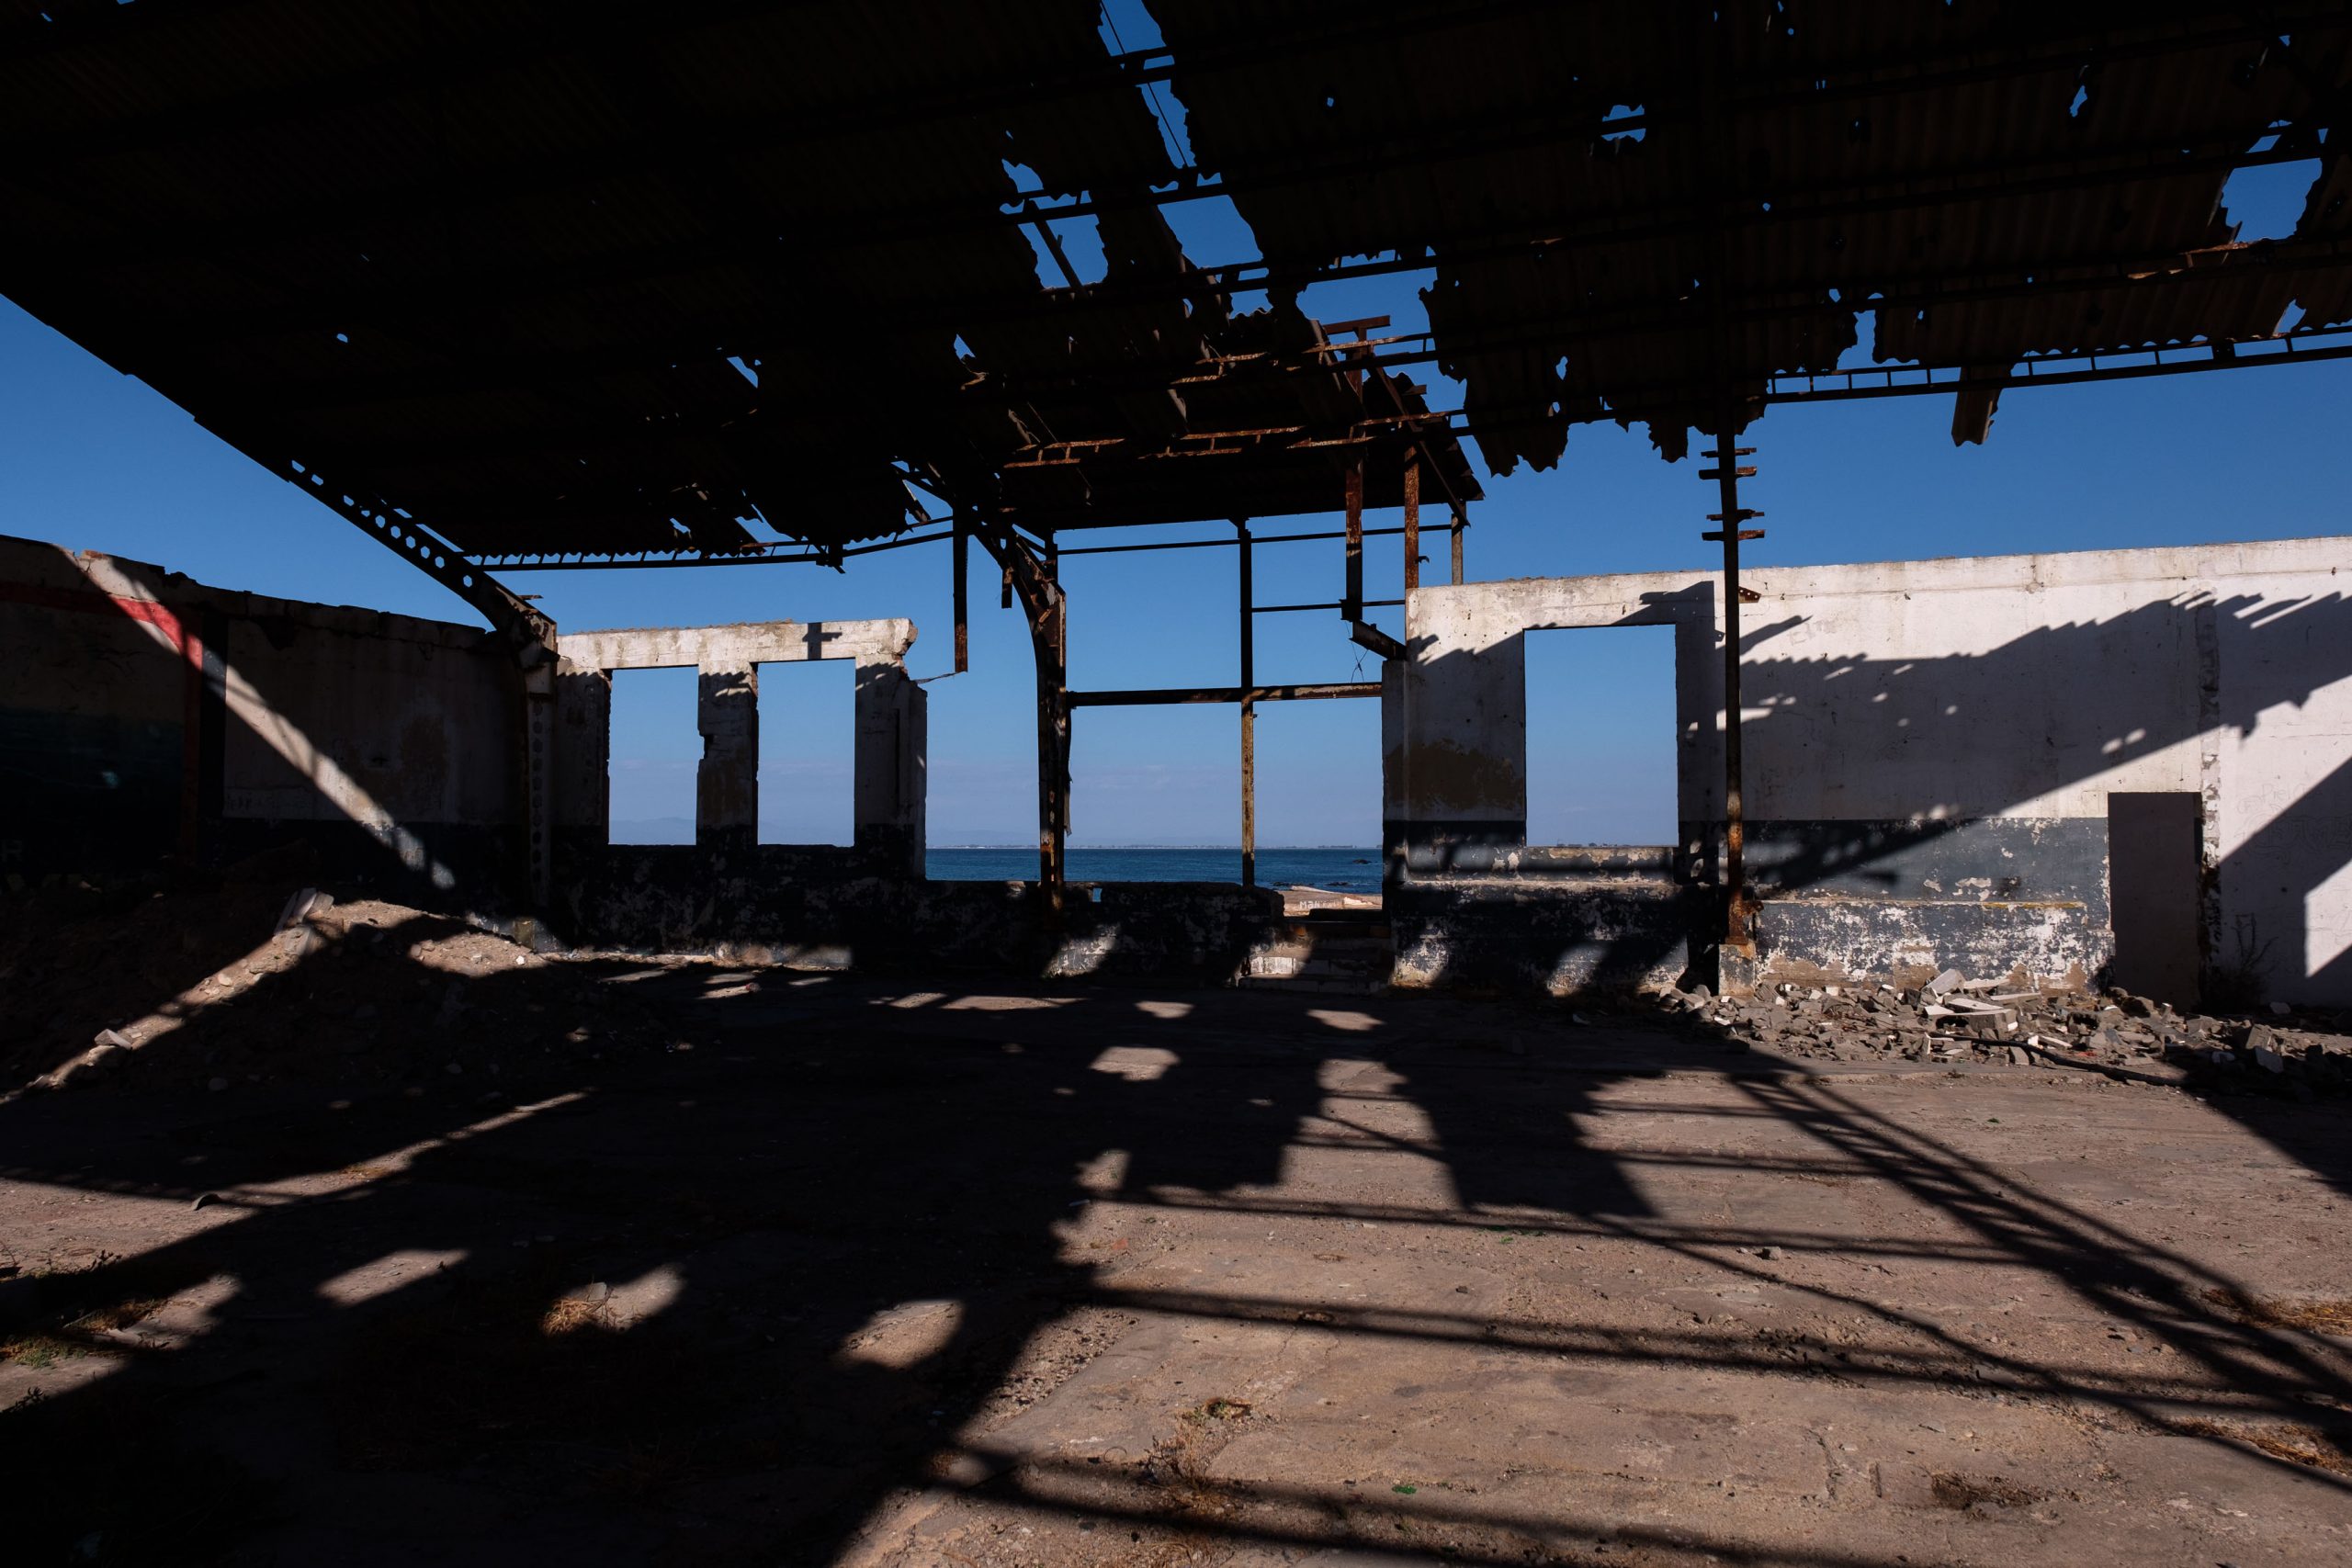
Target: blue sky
{"points": [[95, 460]]}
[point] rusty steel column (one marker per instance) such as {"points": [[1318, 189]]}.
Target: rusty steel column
{"points": [[1352, 601], [1728, 473], [1412, 520], [1248, 709], [1457, 549], [1053, 749], [1719, 137], [963, 603], [1046, 607]]}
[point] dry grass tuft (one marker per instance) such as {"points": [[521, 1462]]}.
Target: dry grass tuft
{"points": [[2297, 1444], [1220, 1410], [1962, 1492], [2319, 1316], [570, 1314]]}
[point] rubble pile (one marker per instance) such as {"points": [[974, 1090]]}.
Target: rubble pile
{"points": [[204, 989], [2025, 1022]]}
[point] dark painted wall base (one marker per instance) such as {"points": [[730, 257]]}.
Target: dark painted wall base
{"points": [[840, 908]]}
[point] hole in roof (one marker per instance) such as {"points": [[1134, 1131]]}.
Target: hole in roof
{"points": [[2267, 200], [1127, 27], [1049, 273], [1082, 246], [963, 349], [742, 369], [2082, 96], [1025, 184], [342, 337], [1617, 112], [1210, 229]]}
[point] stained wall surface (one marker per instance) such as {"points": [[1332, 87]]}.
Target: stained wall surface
{"points": [[148, 717], [1929, 750]]}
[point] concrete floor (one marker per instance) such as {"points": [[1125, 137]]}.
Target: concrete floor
{"points": [[850, 1273]]}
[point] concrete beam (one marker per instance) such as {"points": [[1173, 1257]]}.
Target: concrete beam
{"points": [[740, 646]]}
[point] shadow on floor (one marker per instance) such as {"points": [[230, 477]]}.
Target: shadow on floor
{"points": [[720, 1299]]}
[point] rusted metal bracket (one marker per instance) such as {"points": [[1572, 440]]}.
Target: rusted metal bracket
{"points": [[1363, 634]]}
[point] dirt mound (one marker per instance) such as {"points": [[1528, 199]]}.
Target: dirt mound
{"points": [[259, 981]]}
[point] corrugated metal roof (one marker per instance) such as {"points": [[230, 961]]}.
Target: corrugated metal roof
{"points": [[489, 266]]}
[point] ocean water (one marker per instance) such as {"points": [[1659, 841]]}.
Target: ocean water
{"points": [[1335, 870]]}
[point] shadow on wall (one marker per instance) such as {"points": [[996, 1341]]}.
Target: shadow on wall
{"points": [[137, 737], [829, 1221], [1962, 740], [1916, 803]]}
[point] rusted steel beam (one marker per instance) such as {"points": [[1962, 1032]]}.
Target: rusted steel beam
{"points": [[1174, 695], [1460, 523], [1223, 544], [532, 633], [1327, 604], [1363, 634]]}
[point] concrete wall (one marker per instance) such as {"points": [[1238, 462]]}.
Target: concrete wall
{"points": [[1934, 752], [149, 721], [1930, 746], [147, 717], [891, 735]]}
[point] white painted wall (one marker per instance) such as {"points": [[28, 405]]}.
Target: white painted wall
{"points": [[2018, 686]]}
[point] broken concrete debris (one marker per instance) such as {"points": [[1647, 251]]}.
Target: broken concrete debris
{"points": [[1955, 1019]]}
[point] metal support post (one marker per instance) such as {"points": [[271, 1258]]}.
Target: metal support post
{"points": [[963, 605], [1046, 606], [1412, 523], [1728, 473], [1249, 711], [1717, 134], [1351, 600]]}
